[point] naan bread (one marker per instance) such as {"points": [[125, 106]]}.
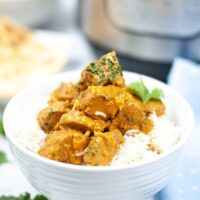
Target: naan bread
{"points": [[24, 58]]}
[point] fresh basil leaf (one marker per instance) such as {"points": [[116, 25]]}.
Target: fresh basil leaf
{"points": [[3, 158]]}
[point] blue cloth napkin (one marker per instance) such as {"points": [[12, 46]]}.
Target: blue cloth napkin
{"points": [[185, 185]]}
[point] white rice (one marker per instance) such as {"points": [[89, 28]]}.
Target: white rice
{"points": [[30, 134], [138, 147], [143, 147]]}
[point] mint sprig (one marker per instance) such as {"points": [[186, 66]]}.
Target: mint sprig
{"points": [[139, 89]]}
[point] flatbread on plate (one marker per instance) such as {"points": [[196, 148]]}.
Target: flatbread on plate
{"points": [[24, 58]]}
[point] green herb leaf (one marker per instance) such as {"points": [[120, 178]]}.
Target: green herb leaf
{"points": [[139, 89], [7, 198], [106, 69], [40, 197], [2, 132], [156, 94], [115, 71], [3, 158], [92, 68], [24, 196]]}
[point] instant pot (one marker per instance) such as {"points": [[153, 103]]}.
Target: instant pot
{"points": [[30, 12], [147, 33]]}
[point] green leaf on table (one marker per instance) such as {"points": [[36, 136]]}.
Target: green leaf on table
{"points": [[40, 197], [139, 89], [3, 158], [7, 198], [24, 196], [2, 132]]}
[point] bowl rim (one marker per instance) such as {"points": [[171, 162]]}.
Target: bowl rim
{"points": [[12, 140]]}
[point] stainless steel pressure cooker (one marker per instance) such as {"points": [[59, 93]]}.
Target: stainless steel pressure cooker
{"points": [[151, 30]]}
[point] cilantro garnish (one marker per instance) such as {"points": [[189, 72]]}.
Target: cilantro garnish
{"points": [[24, 196], [3, 158], [107, 69], [92, 68], [115, 71], [139, 89]]}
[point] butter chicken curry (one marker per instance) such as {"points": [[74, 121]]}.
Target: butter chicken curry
{"points": [[86, 121]]}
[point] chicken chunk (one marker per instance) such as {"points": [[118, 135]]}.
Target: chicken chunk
{"points": [[103, 147], [111, 92], [146, 125], [99, 102], [78, 120], [105, 71], [67, 92], [132, 99], [50, 116], [130, 117], [65, 146], [154, 106]]}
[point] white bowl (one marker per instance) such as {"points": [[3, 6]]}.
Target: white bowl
{"points": [[29, 12], [65, 181]]}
